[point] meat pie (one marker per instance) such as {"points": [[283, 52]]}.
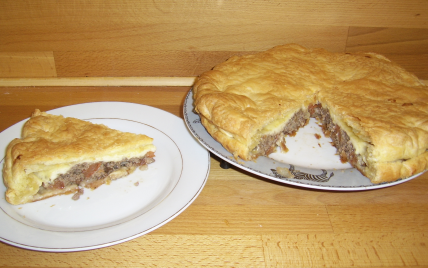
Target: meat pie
{"points": [[58, 155], [375, 112]]}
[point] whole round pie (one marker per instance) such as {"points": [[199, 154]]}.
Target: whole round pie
{"points": [[375, 112]]}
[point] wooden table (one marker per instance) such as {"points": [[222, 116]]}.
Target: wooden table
{"points": [[240, 219]]}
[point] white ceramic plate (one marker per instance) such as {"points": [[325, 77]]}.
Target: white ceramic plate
{"points": [[128, 207], [311, 157]]}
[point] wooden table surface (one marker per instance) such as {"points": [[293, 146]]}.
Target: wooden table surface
{"points": [[240, 219]]}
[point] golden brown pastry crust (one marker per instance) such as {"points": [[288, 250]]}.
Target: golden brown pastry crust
{"points": [[51, 142], [383, 107]]}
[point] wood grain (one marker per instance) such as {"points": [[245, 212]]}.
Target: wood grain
{"points": [[152, 251], [186, 38], [382, 218], [239, 219], [378, 249], [138, 62], [388, 40], [27, 64], [177, 37], [242, 220], [396, 13]]}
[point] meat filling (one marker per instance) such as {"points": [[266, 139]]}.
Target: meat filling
{"points": [[268, 143], [88, 174], [339, 137]]}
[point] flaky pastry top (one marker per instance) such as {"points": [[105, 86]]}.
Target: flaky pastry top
{"points": [[52, 139]]}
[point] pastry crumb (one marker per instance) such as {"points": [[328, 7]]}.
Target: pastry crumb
{"points": [[77, 195], [285, 172], [144, 167]]}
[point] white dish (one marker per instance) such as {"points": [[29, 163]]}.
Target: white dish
{"points": [[311, 157], [128, 207]]}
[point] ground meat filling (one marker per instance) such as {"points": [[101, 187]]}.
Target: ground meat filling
{"points": [[89, 173], [268, 143], [339, 137]]}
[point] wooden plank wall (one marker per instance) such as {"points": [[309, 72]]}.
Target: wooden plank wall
{"points": [[91, 38]]}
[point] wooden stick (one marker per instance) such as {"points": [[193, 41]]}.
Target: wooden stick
{"points": [[102, 81], [97, 81]]}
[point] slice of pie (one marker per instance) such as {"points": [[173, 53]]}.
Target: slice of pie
{"points": [[375, 112], [58, 155]]}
